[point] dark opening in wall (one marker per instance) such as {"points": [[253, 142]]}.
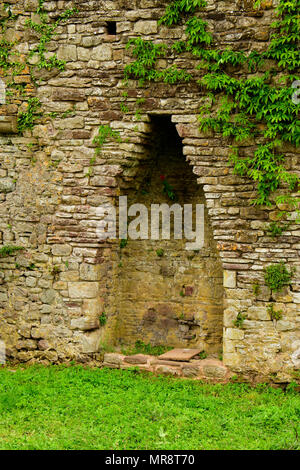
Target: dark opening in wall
{"points": [[111, 28], [166, 138], [166, 294]]}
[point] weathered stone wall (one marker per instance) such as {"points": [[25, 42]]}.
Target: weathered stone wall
{"points": [[52, 293]]}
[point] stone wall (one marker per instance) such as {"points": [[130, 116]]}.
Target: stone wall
{"points": [[53, 292]]}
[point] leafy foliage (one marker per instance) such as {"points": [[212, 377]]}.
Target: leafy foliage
{"points": [[13, 63], [46, 31], [274, 314], [27, 118], [168, 189], [276, 230], [240, 109], [175, 10], [143, 68], [102, 319], [104, 132], [239, 321], [160, 252], [123, 243], [9, 250], [277, 276]]}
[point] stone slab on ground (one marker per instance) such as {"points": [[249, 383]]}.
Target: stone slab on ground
{"points": [[210, 369], [178, 354], [137, 359], [164, 362]]}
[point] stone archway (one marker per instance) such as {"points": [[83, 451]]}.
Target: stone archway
{"points": [[165, 294]]}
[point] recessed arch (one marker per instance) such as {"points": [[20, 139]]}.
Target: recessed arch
{"points": [[165, 294]]}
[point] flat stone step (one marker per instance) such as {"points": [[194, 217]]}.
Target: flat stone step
{"points": [[180, 354]]}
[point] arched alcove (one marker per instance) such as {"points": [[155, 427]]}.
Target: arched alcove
{"points": [[168, 295]]}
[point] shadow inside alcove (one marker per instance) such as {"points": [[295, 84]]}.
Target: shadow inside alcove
{"points": [[167, 295]]}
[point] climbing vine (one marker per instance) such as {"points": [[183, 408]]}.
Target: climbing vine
{"points": [[258, 107], [104, 132], [27, 118], [13, 63], [278, 276], [45, 32]]}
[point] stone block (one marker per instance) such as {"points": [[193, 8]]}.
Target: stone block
{"points": [[61, 250], [85, 323], [76, 122], [28, 344], [166, 370], [43, 345], [215, 371], [25, 331], [8, 125], [48, 296], [25, 356], [83, 54], [230, 279], [7, 185], [234, 333], [40, 332], [92, 307], [114, 358], [296, 297], [83, 290], [51, 356], [68, 94], [190, 371], [137, 359], [67, 52], [145, 27], [90, 342], [31, 5], [90, 272], [102, 52], [258, 313]]}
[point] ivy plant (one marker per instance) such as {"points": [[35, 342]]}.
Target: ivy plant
{"points": [[12, 63], [239, 108]]}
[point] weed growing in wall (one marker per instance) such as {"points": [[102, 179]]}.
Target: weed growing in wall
{"points": [[9, 250], [26, 119], [278, 276], [167, 189], [104, 133], [160, 252], [274, 314], [102, 319], [239, 321], [256, 289], [276, 229]]}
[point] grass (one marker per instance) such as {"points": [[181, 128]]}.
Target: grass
{"points": [[59, 407]]}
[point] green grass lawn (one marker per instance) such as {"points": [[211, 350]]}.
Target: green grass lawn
{"points": [[76, 408]]}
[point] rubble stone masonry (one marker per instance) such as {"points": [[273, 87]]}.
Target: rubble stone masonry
{"points": [[68, 295]]}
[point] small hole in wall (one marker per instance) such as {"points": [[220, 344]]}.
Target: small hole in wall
{"points": [[111, 28]]}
